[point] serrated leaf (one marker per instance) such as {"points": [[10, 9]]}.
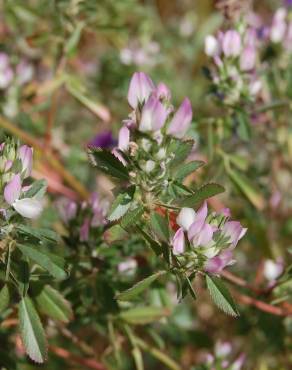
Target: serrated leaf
{"points": [[38, 233], [132, 217], [121, 204], [204, 192], [32, 332], [139, 287], [4, 298], [181, 150], [221, 296], [143, 315], [53, 264], [160, 226], [108, 163], [156, 247], [53, 304], [37, 190], [187, 169]]}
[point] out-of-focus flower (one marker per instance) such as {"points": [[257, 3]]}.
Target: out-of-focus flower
{"points": [[181, 120], [24, 72], [84, 230], [67, 209], [128, 266], [104, 140], [248, 58], [279, 26], [141, 86], [273, 269], [6, 72], [212, 47], [231, 43]]}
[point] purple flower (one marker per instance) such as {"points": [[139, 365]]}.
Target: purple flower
{"points": [[216, 264], [231, 43], [154, 114], [178, 242], [181, 120], [104, 140], [25, 154], [234, 231], [67, 209], [141, 86]]}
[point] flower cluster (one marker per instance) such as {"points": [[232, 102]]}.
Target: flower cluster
{"points": [[206, 241], [22, 73], [16, 194], [222, 358], [235, 55], [83, 217], [145, 136]]}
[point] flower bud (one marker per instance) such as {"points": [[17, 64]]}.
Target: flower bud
{"points": [[141, 86], [12, 190], [154, 114], [25, 154], [178, 242], [162, 91], [181, 120]]}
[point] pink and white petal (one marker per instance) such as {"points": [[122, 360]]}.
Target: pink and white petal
{"points": [[13, 189], [178, 242], [28, 207]]}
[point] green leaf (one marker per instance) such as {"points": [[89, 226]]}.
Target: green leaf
{"points": [[156, 247], [187, 169], [160, 226], [53, 264], [204, 192], [143, 315], [139, 287], [132, 217], [53, 304], [108, 163], [4, 298], [247, 188], [221, 296], [181, 150], [32, 332], [40, 234], [121, 204], [37, 190], [243, 129], [74, 39]]}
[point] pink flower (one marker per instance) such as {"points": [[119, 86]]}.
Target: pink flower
{"points": [[26, 207], [162, 91], [231, 43], [25, 154], [234, 231], [154, 114], [248, 58], [141, 86], [124, 138], [84, 230], [216, 264], [178, 242], [181, 120]]}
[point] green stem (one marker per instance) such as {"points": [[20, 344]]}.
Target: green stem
{"points": [[8, 263]]}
